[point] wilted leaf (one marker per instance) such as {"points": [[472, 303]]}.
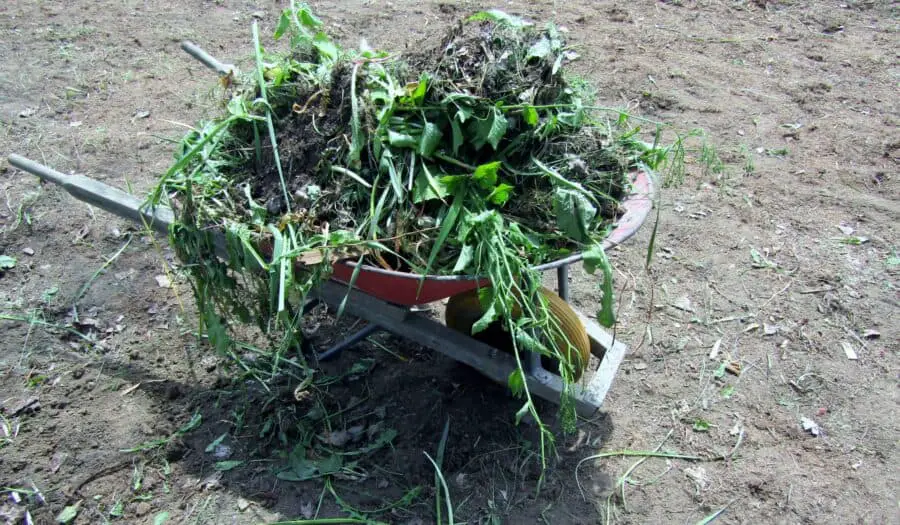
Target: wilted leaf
{"points": [[539, 49]]}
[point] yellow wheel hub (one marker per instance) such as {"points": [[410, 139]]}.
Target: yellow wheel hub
{"points": [[464, 309]]}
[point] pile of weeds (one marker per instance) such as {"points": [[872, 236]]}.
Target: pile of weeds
{"points": [[480, 156]]}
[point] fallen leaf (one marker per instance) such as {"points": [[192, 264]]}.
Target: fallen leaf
{"points": [[56, 461], [715, 349], [306, 510], [848, 349], [336, 439], [698, 476], [684, 304], [7, 262], [810, 426], [68, 514]]}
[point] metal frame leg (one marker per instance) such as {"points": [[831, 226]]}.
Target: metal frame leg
{"points": [[562, 282], [349, 341]]}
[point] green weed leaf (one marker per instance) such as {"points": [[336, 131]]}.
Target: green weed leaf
{"points": [[283, 24], [500, 194], [486, 174], [593, 259], [457, 135], [225, 466], [499, 124], [325, 46], [574, 213], [530, 115], [431, 137], [161, 518], [466, 256], [7, 262], [516, 383], [499, 17], [700, 425]]}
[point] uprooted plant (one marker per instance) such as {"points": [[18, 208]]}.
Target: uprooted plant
{"points": [[482, 156]]}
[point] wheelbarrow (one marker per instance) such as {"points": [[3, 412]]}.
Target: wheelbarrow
{"points": [[388, 299]]}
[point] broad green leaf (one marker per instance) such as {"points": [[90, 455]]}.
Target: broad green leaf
{"points": [[431, 137], [283, 24], [574, 213], [463, 113], [7, 262], [486, 174], [490, 315], [539, 49], [500, 194], [161, 518], [325, 46], [426, 187], [307, 18], [530, 115], [498, 128], [466, 256]]}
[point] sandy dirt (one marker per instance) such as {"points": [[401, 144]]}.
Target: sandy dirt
{"points": [[771, 271]]}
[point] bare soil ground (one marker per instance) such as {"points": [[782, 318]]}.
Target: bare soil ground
{"points": [[776, 265]]}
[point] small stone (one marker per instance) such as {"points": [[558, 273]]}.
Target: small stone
{"points": [[640, 365], [242, 504], [28, 251], [163, 281], [259, 15], [142, 509], [770, 329]]}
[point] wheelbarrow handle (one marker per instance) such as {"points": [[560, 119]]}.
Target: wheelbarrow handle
{"points": [[101, 195]]}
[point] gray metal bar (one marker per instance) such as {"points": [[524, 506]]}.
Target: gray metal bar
{"points": [[562, 282], [451, 343], [100, 195], [207, 59], [367, 331]]}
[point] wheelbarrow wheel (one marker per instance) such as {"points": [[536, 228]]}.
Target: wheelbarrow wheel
{"points": [[464, 309]]}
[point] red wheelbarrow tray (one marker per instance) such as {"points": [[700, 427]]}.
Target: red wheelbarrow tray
{"points": [[403, 288]]}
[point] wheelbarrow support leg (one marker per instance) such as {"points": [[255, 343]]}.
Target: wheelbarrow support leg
{"points": [[362, 334]]}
